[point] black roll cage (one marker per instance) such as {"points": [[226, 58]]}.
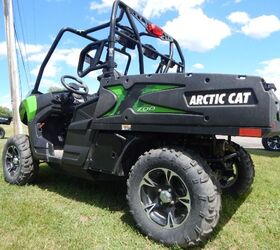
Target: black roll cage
{"points": [[110, 42]]}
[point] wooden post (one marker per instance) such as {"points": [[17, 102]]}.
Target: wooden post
{"points": [[12, 63]]}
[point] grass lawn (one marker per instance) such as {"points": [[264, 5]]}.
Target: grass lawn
{"points": [[61, 212]]}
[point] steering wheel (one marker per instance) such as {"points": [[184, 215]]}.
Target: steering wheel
{"points": [[74, 87]]}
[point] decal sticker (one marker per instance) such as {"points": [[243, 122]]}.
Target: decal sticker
{"points": [[245, 97], [147, 109], [126, 127]]}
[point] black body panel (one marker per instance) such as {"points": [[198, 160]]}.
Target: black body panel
{"points": [[79, 135], [97, 142], [219, 118]]}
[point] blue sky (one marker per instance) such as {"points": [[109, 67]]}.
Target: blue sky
{"points": [[230, 36]]}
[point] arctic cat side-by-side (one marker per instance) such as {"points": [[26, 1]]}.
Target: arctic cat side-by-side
{"points": [[150, 123], [6, 120]]}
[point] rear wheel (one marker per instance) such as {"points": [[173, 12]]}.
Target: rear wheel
{"points": [[2, 133], [236, 175], [171, 197], [271, 143], [18, 165]]}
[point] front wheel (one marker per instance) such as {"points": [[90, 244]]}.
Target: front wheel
{"points": [[18, 165], [171, 197]]}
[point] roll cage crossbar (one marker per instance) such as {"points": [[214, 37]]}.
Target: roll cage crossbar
{"points": [[116, 28]]}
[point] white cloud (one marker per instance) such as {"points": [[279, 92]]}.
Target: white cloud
{"points": [[259, 27], [51, 70], [47, 83], [196, 31], [237, 1], [158, 7], [95, 74], [147, 7], [239, 17], [262, 26], [35, 54], [198, 66], [38, 57], [191, 27], [31, 48], [68, 56], [270, 72]]}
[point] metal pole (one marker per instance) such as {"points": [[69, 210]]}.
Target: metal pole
{"points": [[12, 63]]}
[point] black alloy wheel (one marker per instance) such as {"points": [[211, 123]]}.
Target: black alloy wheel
{"points": [[18, 165], [12, 160], [165, 197], [173, 197]]}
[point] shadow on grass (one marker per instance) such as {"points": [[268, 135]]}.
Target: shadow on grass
{"points": [[103, 194], [111, 195]]}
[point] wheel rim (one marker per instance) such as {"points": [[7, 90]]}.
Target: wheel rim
{"points": [[165, 198], [274, 142], [12, 160]]}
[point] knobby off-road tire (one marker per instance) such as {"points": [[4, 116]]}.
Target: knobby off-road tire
{"points": [[172, 198], [2, 133], [244, 174], [18, 165], [271, 143]]}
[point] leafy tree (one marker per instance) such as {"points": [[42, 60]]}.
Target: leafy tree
{"points": [[4, 111]]}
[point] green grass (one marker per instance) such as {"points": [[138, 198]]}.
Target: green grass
{"points": [[61, 212]]}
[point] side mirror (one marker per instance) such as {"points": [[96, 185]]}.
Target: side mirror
{"points": [[90, 58]]}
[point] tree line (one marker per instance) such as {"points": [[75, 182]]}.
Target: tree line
{"points": [[4, 111]]}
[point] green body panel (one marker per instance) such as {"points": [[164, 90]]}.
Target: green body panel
{"points": [[156, 88], [120, 92], [28, 107], [140, 106], [143, 107]]}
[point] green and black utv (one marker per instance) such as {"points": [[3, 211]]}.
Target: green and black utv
{"points": [[157, 130]]}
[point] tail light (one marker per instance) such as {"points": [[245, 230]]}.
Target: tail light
{"points": [[155, 30]]}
